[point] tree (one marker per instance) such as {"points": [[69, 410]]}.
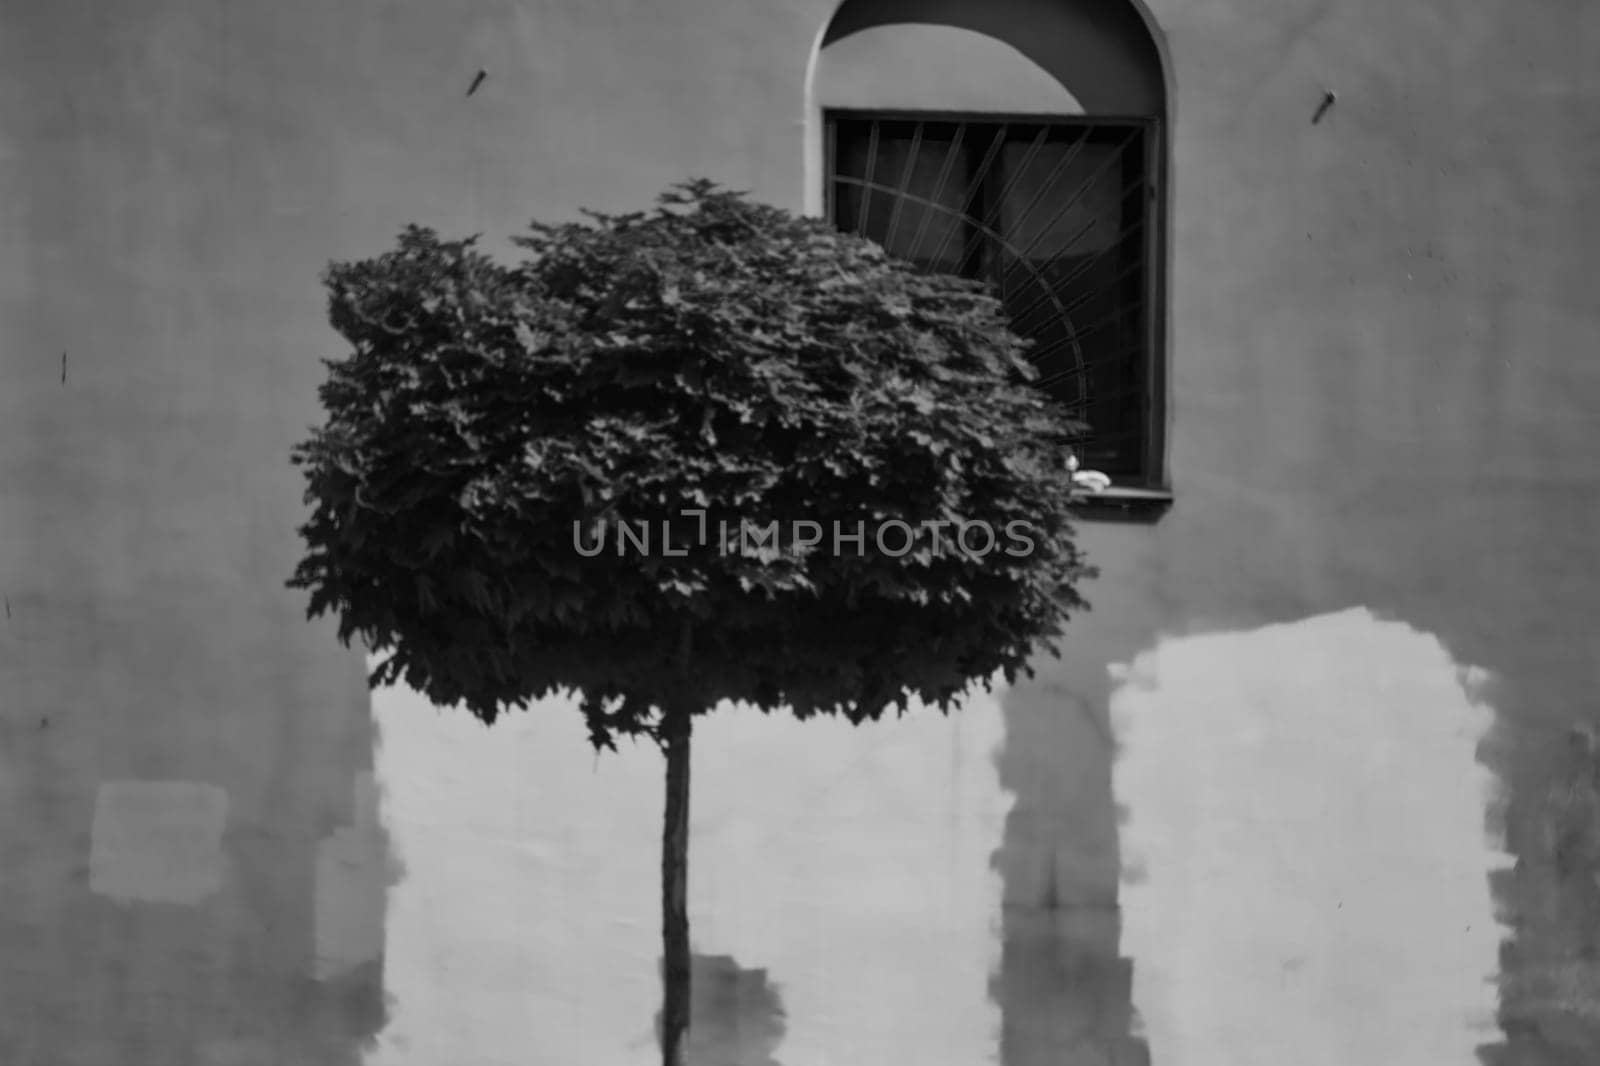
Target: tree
{"points": [[694, 373]]}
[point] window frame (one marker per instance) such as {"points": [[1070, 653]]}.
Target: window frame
{"points": [[1149, 494]]}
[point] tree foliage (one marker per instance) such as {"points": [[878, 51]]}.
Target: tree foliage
{"points": [[712, 354]]}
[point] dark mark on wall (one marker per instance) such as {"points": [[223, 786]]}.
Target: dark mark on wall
{"points": [[44, 723], [1322, 109], [63, 368], [738, 1015], [477, 81]]}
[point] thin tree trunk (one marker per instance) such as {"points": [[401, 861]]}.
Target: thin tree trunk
{"points": [[675, 889]]}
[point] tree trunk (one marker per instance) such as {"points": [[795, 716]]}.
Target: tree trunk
{"points": [[675, 889]]}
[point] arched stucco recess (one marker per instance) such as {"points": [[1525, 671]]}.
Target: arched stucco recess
{"points": [[1112, 60], [923, 67], [1109, 55]]}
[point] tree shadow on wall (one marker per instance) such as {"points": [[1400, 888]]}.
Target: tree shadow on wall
{"points": [[736, 1016]]}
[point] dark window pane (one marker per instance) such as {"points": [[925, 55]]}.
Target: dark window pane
{"points": [[914, 200], [1053, 216]]}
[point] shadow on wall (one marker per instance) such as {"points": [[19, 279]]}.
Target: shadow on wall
{"points": [[1550, 984], [1063, 987], [1423, 449], [163, 807], [1498, 568], [736, 1016]]}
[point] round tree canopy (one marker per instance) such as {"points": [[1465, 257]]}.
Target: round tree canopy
{"points": [[564, 474]]}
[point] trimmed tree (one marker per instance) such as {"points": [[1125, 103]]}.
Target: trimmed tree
{"points": [[564, 476]]}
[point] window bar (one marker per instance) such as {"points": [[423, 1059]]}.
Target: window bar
{"points": [[1081, 268], [992, 215], [1045, 187], [1066, 311], [1049, 377], [1077, 272], [977, 181], [1118, 312], [1084, 231], [1106, 320], [1094, 179], [972, 225], [1074, 341], [1081, 411], [866, 186], [993, 210], [1046, 380], [982, 230], [938, 189], [1121, 276], [914, 198], [905, 184]]}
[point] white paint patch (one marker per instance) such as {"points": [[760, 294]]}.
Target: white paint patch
{"points": [[852, 865], [351, 875], [856, 864], [1308, 806], [157, 841]]}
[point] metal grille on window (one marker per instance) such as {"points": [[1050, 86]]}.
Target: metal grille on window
{"points": [[1055, 215]]}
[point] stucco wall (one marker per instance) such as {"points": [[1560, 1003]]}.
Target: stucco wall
{"points": [[1382, 386]]}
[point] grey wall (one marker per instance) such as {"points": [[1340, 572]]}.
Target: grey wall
{"points": [[1382, 386]]}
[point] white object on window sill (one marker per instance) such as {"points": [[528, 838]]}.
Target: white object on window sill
{"points": [[1091, 481]]}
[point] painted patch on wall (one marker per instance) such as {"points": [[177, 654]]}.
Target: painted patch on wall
{"points": [[157, 841], [847, 870], [1307, 811]]}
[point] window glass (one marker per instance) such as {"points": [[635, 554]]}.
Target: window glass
{"points": [[1054, 216]]}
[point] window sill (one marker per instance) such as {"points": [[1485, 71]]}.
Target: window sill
{"points": [[1119, 504]]}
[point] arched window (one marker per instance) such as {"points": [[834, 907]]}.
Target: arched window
{"points": [[1022, 142]]}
